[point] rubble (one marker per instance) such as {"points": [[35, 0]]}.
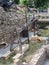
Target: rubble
{"points": [[10, 21]]}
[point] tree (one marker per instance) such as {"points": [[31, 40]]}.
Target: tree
{"points": [[37, 3], [21, 2], [26, 2], [41, 3], [16, 1]]}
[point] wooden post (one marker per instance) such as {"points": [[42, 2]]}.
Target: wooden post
{"points": [[11, 44], [20, 45], [37, 29], [27, 26], [11, 41], [26, 10], [34, 24]]}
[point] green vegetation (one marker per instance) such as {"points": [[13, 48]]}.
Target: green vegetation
{"points": [[8, 61], [26, 2], [16, 1], [36, 3], [45, 33], [33, 47], [41, 3], [45, 29]]}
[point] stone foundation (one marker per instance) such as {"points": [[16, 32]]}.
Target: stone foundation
{"points": [[40, 56]]}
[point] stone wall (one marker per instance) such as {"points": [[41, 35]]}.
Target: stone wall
{"points": [[40, 56], [46, 47]]}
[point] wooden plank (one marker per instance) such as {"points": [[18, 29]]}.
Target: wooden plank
{"points": [[43, 20]]}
